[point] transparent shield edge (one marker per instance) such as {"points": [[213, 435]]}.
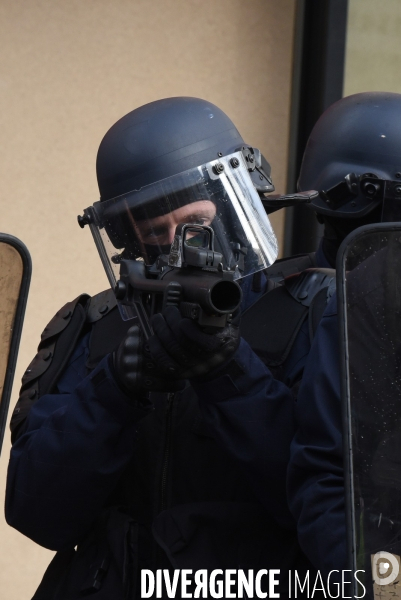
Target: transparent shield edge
{"points": [[360, 548]]}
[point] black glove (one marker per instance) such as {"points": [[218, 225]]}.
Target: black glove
{"points": [[134, 369], [181, 349]]}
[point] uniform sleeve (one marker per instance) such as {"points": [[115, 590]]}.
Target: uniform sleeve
{"points": [[315, 475], [251, 416], [68, 459]]}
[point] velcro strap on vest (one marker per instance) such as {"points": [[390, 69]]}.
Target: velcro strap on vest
{"points": [[318, 306]]}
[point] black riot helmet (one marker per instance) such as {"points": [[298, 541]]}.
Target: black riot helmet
{"points": [[175, 161], [166, 137], [353, 158]]}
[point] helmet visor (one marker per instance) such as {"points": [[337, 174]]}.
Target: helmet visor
{"points": [[220, 194]]}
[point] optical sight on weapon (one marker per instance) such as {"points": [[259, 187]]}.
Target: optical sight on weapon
{"points": [[191, 277]]}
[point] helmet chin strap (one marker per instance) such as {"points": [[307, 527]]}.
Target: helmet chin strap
{"points": [[336, 230]]}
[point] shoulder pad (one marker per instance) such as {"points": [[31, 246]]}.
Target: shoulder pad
{"points": [[61, 319], [100, 305], [71, 313], [303, 287], [271, 325], [58, 323]]}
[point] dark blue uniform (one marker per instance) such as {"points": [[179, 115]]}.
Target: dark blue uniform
{"points": [[315, 475], [315, 483], [89, 461]]}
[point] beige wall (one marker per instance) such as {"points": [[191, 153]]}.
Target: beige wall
{"points": [[373, 56], [69, 70]]}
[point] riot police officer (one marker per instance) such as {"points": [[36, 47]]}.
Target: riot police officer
{"points": [[115, 462], [353, 158]]}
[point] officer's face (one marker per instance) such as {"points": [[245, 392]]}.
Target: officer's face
{"points": [[160, 230]]}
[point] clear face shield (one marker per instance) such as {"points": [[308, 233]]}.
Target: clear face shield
{"points": [[141, 225], [184, 241]]}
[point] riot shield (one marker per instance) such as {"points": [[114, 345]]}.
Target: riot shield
{"points": [[15, 275], [369, 294]]}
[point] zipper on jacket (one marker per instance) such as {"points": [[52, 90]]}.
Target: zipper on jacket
{"points": [[167, 449], [159, 559]]}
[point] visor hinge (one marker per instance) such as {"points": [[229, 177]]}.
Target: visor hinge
{"points": [[250, 159], [340, 194], [369, 185], [254, 163]]}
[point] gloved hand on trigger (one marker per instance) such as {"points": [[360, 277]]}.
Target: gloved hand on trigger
{"points": [[134, 369], [181, 349]]}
